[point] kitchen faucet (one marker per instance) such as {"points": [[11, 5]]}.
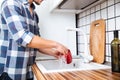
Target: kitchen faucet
{"points": [[86, 56]]}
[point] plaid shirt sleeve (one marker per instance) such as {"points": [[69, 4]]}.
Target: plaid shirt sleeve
{"points": [[17, 23]]}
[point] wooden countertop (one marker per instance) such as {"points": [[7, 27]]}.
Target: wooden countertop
{"points": [[103, 74]]}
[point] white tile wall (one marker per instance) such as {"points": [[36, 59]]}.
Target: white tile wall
{"points": [[103, 5], [107, 38], [88, 19], [92, 17], [81, 22], [118, 23], [108, 10], [106, 24], [84, 21], [110, 2], [87, 12], [88, 39], [81, 47], [110, 36], [117, 9], [111, 11], [81, 39], [97, 15], [107, 50], [93, 10], [111, 24], [104, 13], [88, 29], [97, 8], [107, 58]]}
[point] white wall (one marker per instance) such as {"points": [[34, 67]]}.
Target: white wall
{"points": [[53, 25]]}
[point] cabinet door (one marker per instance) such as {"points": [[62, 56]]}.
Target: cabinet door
{"points": [[54, 4]]}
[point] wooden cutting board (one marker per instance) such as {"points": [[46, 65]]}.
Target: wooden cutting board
{"points": [[97, 40]]}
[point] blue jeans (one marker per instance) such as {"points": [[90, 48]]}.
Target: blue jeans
{"points": [[4, 76], [30, 79]]}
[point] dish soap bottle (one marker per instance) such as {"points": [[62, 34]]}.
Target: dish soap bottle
{"points": [[115, 52]]}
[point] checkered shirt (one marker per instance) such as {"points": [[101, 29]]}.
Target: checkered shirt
{"points": [[17, 28]]}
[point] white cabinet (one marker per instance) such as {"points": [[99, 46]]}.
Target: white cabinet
{"points": [[73, 6], [54, 4], [54, 7]]}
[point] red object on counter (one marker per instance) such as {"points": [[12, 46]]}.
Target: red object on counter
{"points": [[68, 57]]}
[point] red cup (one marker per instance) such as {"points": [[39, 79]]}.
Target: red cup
{"points": [[68, 57]]}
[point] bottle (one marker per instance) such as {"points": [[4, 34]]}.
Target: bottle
{"points": [[115, 52]]}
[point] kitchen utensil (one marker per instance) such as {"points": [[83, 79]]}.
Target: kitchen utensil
{"points": [[97, 40]]}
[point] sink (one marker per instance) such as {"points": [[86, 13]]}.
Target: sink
{"points": [[48, 66]]}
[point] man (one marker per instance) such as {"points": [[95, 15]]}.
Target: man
{"points": [[20, 40]]}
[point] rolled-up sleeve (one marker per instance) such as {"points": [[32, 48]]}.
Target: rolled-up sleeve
{"points": [[16, 22]]}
